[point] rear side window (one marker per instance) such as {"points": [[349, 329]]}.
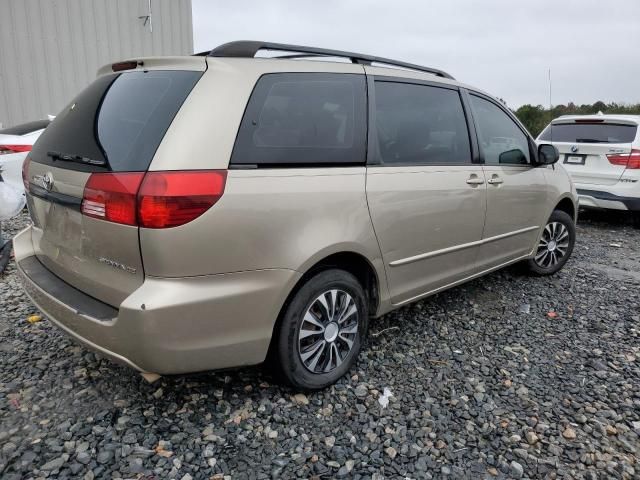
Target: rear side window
{"points": [[118, 121], [304, 119], [26, 128], [589, 133], [420, 125], [501, 140]]}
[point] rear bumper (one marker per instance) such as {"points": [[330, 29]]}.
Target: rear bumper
{"points": [[168, 325], [608, 200]]}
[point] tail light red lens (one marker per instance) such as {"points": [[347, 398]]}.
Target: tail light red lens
{"points": [[171, 199], [7, 149], [154, 199], [112, 197], [25, 173], [628, 160], [634, 159]]}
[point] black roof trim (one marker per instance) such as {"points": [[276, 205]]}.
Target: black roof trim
{"points": [[249, 48]]}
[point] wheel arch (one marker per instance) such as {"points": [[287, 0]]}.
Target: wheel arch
{"points": [[567, 205], [351, 261]]}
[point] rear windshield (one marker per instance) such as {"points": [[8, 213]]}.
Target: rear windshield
{"points": [[589, 133], [117, 123], [26, 128]]}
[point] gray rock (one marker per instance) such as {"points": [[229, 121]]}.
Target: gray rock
{"points": [[361, 391], [54, 464], [83, 457], [104, 456], [517, 471]]}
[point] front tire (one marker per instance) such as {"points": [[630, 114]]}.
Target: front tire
{"points": [[555, 246], [322, 330]]}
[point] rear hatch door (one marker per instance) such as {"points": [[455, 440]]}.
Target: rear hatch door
{"points": [[114, 126], [592, 151]]}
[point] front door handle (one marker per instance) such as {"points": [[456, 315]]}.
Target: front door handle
{"points": [[495, 180], [475, 180]]}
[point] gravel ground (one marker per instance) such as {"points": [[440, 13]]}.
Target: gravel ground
{"points": [[485, 382]]}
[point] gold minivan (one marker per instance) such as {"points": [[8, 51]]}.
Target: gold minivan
{"points": [[212, 211]]}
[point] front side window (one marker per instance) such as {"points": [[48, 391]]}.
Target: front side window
{"points": [[420, 125], [304, 119], [501, 141]]}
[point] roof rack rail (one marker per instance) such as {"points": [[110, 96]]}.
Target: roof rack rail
{"points": [[249, 48]]}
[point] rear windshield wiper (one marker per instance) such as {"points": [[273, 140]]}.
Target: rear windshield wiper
{"points": [[589, 140], [64, 157]]}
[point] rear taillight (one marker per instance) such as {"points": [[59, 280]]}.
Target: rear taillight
{"points": [[634, 159], [112, 197], [628, 160], [25, 173], [7, 149], [154, 199], [170, 199]]}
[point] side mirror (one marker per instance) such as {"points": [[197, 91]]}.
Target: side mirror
{"points": [[513, 157], [547, 154]]}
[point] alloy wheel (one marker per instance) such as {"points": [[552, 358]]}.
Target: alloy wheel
{"points": [[328, 331], [553, 245]]}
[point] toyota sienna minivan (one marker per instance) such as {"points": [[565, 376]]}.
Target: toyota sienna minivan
{"points": [[213, 211]]}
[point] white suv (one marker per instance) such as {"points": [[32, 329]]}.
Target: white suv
{"points": [[602, 155]]}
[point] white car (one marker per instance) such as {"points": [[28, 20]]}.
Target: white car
{"points": [[602, 155], [15, 145]]}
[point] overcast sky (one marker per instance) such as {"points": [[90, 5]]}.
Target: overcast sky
{"points": [[505, 47]]}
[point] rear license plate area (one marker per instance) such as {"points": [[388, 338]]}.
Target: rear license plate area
{"points": [[575, 159]]}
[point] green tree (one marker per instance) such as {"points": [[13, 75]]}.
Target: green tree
{"points": [[537, 117]]}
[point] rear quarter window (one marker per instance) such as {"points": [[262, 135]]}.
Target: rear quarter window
{"points": [[303, 119], [118, 120], [589, 133]]}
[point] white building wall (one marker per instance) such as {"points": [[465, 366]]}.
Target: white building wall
{"points": [[51, 49]]}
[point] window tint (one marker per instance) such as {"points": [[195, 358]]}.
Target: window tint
{"points": [[589, 133], [420, 125], [119, 118], [304, 118], [501, 141], [25, 128]]}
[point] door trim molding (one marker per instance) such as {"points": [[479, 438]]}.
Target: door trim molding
{"points": [[458, 282], [462, 246]]}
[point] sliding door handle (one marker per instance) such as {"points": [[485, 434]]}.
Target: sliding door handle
{"points": [[495, 180], [475, 180]]}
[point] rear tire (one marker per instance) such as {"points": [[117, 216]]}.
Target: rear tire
{"points": [[555, 246], [322, 330]]}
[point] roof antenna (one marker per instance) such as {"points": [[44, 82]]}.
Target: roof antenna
{"points": [[550, 89]]}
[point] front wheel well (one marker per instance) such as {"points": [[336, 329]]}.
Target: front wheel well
{"points": [[567, 206]]}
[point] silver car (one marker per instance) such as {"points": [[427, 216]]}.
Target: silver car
{"points": [[205, 212]]}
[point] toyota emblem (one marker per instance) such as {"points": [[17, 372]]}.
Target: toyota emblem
{"points": [[47, 182]]}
